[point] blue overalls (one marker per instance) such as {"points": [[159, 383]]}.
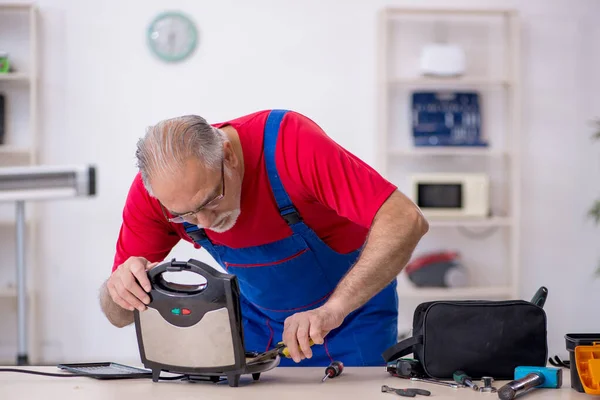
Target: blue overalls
{"points": [[299, 273]]}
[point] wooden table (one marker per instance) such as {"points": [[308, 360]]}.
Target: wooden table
{"points": [[300, 383]]}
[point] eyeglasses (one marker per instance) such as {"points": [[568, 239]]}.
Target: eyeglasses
{"points": [[190, 216]]}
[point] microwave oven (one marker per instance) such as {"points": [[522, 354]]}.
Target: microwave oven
{"points": [[451, 195]]}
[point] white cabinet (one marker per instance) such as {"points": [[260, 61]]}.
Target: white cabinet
{"points": [[489, 40]]}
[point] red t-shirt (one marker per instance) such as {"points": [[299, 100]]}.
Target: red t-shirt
{"points": [[336, 194]]}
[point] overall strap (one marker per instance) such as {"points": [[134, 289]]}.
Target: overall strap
{"points": [[198, 235], [284, 203]]}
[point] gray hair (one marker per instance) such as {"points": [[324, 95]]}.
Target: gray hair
{"points": [[167, 146]]}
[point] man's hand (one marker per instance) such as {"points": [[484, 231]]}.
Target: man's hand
{"points": [[396, 230], [313, 324], [123, 284]]}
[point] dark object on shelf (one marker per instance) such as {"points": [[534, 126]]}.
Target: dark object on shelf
{"points": [[437, 269], [446, 119], [2, 119]]}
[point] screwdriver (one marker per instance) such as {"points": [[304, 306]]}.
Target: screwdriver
{"points": [[462, 378], [286, 352], [334, 369], [280, 349]]}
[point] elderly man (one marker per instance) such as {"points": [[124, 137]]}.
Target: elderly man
{"points": [[315, 236]]}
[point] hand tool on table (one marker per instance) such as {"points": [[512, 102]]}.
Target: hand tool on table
{"points": [[280, 349], [406, 368], [527, 378], [487, 385], [411, 392], [539, 298], [437, 382], [464, 379], [334, 369]]}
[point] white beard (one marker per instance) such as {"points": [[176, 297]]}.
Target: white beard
{"points": [[225, 222]]}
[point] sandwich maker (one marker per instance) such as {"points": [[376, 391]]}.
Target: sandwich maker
{"points": [[195, 330]]}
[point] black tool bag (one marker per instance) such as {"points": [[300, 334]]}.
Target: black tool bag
{"points": [[481, 338]]}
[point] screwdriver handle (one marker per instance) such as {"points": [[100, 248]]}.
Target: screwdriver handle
{"points": [[286, 352], [334, 369], [462, 378], [459, 377]]}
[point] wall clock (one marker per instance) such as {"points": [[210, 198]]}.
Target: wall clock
{"points": [[172, 36]]}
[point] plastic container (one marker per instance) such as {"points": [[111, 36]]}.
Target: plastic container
{"points": [[572, 341], [588, 367]]}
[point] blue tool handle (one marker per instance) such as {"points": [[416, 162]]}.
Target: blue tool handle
{"points": [[551, 377]]}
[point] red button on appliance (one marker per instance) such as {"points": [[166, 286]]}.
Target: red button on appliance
{"points": [[185, 311]]}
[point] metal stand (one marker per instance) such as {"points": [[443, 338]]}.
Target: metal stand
{"points": [[22, 356], [19, 184]]}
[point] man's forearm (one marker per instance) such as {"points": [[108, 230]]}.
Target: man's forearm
{"points": [[397, 229], [117, 315]]}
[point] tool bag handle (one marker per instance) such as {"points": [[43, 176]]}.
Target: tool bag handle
{"points": [[402, 348], [211, 275]]}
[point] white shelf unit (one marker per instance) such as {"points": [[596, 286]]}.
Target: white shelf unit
{"points": [[448, 82], [445, 151], [19, 38], [477, 223], [490, 39], [458, 293], [8, 292], [15, 76]]}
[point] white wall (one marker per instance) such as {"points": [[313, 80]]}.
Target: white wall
{"points": [[100, 87]]}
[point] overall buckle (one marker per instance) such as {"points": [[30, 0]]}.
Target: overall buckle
{"points": [[197, 235], [292, 217]]}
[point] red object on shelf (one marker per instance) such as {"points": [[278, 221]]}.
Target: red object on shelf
{"points": [[430, 258]]}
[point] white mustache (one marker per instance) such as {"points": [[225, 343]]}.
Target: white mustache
{"points": [[222, 218]]}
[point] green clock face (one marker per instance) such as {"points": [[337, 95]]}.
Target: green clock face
{"points": [[172, 36]]}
